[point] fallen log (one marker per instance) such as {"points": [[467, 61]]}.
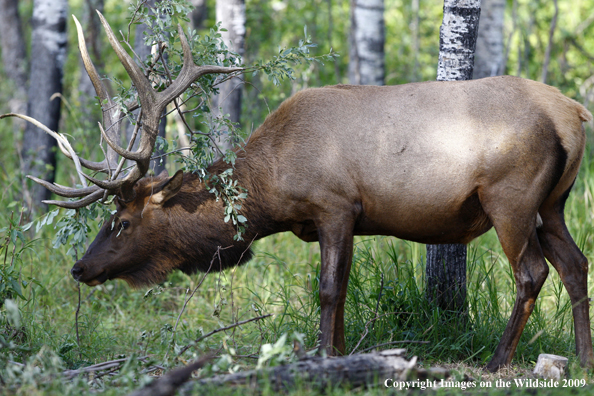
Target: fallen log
{"points": [[355, 370]]}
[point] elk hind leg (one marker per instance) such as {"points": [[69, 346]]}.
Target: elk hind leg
{"points": [[562, 252], [521, 246]]}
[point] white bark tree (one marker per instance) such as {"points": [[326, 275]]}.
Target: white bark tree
{"points": [[489, 44], [231, 14], [48, 44], [446, 264], [367, 38]]}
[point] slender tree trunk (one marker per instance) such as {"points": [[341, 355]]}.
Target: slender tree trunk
{"points": [[231, 14], [414, 27], [199, 14], [14, 58], [92, 27], [48, 44], [446, 264], [330, 30], [143, 51], [547, 59], [489, 44], [367, 38]]}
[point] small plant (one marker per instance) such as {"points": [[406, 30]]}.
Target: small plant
{"points": [[281, 352], [11, 284]]}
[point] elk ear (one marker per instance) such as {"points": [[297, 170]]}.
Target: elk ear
{"points": [[163, 174], [168, 188]]}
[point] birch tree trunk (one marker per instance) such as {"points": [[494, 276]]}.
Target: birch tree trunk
{"points": [[489, 44], [367, 38], [48, 44], [231, 14], [446, 264]]}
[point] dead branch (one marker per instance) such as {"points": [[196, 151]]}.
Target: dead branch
{"points": [[169, 383], [221, 329]]}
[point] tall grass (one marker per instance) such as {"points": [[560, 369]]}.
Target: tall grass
{"points": [[385, 304]]}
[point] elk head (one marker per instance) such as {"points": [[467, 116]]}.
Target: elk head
{"points": [[172, 223], [130, 244]]}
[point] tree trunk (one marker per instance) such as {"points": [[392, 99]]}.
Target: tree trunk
{"points": [[446, 264], [414, 27], [199, 14], [489, 44], [14, 58], [93, 30], [231, 14], [547, 59], [143, 51], [367, 38], [48, 44]]}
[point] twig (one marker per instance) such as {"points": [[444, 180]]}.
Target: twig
{"points": [[231, 283], [76, 320], [221, 329], [372, 321], [133, 18], [8, 237], [379, 297], [170, 152], [170, 382], [573, 41], [193, 292], [394, 342], [98, 367]]}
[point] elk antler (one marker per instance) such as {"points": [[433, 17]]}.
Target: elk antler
{"points": [[152, 104]]}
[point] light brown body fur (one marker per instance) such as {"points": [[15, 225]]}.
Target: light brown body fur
{"points": [[430, 162]]}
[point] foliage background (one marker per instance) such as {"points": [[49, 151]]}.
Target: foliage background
{"points": [[115, 321]]}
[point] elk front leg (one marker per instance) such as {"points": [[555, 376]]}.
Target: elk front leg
{"points": [[336, 244]]}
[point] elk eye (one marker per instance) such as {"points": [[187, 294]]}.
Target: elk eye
{"points": [[125, 224]]}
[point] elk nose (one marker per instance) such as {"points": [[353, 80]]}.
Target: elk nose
{"points": [[76, 271]]}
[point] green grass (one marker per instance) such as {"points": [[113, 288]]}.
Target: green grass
{"points": [[115, 321]]}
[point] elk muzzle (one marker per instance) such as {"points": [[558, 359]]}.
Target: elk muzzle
{"points": [[82, 273]]}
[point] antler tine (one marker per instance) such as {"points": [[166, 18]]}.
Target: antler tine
{"points": [[111, 112], [141, 83], [189, 73], [63, 191], [131, 155], [92, 165], [81, 203], [89, 66]]}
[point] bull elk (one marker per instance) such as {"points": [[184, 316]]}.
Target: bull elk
{"points": [[432, 162]]}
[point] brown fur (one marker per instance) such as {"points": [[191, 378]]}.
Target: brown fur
{"points": [[435, 162]]}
